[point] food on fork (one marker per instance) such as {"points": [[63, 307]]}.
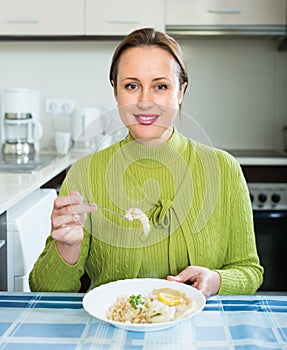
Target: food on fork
{"points": [[131, 214], [136, 213]]}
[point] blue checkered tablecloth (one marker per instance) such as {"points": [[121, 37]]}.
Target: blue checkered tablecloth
{"points": [[50, 321]]}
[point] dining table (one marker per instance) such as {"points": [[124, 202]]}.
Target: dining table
{"points": [[52, 321]]}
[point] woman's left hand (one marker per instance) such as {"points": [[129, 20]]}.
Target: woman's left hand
{"points": [[201, 278]]}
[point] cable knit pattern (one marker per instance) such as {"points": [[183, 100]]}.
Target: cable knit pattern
{"points": [[199, 209]]}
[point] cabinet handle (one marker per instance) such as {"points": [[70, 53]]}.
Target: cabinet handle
{"points": [[123, 20], [220, 11], [2, 243], [23, 21]]}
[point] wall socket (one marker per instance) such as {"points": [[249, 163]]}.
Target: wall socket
{"points": [[60, 106]]}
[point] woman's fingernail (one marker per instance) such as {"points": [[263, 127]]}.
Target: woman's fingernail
{"points": [[77, 217]]}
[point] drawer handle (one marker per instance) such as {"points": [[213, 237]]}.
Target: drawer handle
{"points": [[23, 21], [2, 243], [224, 11], [123, 20]]}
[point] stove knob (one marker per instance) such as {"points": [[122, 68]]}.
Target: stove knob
{"points": [[251, 197], [275, 198], [262, 198]]}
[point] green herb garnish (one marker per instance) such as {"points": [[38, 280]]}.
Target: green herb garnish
{"points": [[136, 301]]}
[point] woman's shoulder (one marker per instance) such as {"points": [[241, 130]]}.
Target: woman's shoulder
{"points": [[98, 156], [88, 168], [209, 151], [215, 159]]}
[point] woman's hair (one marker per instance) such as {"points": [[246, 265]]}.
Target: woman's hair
{"points": [[149, 37]]}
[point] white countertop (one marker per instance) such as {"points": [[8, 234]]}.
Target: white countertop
{"points": [[16, 186], [270, 161]]}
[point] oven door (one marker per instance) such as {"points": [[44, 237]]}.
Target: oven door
{"points": [[271, 237]]}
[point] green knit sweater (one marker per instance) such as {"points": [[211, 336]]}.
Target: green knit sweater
{"points": [[197, 202]]}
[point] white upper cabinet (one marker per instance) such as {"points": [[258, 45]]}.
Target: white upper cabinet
{"points": [[225, 12], [121, 17], [40, 17]]}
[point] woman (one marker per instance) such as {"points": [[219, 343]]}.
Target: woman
{"points": [[196, 198]]}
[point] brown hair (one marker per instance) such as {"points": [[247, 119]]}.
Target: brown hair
{"points": [[149, 37]]}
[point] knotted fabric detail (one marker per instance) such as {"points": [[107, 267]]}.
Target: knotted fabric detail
{"points": [[160, 217]]}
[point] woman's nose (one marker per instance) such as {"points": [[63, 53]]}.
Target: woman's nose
{"points": [[145, 105], [145, 100]]}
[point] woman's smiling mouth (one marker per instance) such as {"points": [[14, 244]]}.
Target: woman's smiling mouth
{"points": [[146, 119]]}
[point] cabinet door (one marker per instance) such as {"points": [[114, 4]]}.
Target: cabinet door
{"points": [[229, 12], [121, 17], [39, 17]]}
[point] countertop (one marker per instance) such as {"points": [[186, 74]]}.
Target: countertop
{"points": [[260, 157], [266, 161], [53, 321], [16, 186]]}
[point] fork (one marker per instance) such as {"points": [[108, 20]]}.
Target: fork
{"points": [[107, 209]]}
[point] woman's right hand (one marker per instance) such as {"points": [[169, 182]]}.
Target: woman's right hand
{"points": [[67, 220]]}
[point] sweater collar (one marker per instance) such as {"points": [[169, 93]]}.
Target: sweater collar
{"points": [[150, 155]]}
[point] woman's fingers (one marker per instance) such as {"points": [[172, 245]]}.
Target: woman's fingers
{"points": [[63, 201], [71, 214], [202, 278], [68, 234], [59, 221], [68, 218], [188, 274]]}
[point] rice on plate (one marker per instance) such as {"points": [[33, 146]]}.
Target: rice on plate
{"points": [[161, 305]]}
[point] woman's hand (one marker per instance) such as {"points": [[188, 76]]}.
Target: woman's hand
{"points": [[67, 220], [201, 278]]}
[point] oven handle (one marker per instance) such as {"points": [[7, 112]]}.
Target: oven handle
{"points": [[270, 214]]}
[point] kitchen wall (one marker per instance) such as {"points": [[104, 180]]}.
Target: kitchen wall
{"points": [[237, 91]]}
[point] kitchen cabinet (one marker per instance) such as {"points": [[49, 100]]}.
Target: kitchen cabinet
{"points": [[225, 12], [34, 17], [121, 17]]}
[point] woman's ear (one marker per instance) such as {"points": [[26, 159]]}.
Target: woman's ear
{"points": [[115, 90], [181, 92]]}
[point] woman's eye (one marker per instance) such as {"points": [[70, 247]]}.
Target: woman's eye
{"points": [[131, 86], [161, 87]]}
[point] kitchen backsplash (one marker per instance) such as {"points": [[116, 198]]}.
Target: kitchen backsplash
{"points": [[237, 91]]}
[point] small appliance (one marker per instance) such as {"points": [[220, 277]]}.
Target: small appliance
{"points": [[90, 125], [20, 126]]}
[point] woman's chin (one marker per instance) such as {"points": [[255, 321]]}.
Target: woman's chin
{"points": [[150, 134]]}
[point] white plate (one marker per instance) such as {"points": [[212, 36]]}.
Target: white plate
{"points": [[97, 301]]}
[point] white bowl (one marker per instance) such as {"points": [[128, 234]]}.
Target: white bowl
{"points": [[97, 301]]}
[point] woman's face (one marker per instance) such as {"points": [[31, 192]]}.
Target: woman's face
{"points": [[148, 93]]}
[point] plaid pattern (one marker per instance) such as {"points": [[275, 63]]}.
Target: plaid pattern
{"points": [[50, 321]]}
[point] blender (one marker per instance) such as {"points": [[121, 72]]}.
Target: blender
{"points": [[20, 129]]}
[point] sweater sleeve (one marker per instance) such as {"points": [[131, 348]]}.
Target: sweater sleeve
{"points": [[242, 272], [50, 272]]}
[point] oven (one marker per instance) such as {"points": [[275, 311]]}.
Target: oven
{"points": [[269, 201], [268, 193]]}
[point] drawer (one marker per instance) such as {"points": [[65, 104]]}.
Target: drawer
{"points": [[122, 17], [226, 12], [32, 17]]}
